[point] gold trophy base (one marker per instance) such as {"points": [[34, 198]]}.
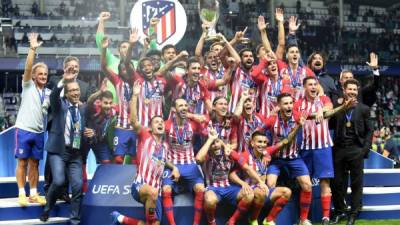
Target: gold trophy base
{"points": [[212, 38]]}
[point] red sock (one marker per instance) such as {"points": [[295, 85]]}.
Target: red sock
{"points": [[198, 207], [168, 206], [277, 208], [241, 208], [84, 179], [305, 202], [119, 159], [130, 221], [255, 210], [150, 216], [326, 205], [210, 212]]}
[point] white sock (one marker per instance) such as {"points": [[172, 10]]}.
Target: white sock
{"points": [[120, 218], [33, 192], [21, 191]]}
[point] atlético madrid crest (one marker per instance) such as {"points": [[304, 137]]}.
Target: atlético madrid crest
{"points": [[172, 20]]}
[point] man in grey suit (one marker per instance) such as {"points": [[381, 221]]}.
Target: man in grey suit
{"points": [[63, 144]]}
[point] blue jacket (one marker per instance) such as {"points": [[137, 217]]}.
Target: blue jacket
{"points": [[56, 141]]}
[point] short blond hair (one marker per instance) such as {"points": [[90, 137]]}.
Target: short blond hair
{"points": [[37, 65]]}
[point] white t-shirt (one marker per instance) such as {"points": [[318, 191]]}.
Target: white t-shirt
{"points": [[30, 115]]}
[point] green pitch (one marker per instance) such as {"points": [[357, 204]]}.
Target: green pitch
{"points": [[375, 222]]}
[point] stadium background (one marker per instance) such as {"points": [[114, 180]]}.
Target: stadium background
{"points": [[68, 28]]}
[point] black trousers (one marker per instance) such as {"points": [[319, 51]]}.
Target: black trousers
{"points": [[348, 159]]}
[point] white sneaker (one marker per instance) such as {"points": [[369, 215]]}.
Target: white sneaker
{"points": [[265, 222], [305, 222]]}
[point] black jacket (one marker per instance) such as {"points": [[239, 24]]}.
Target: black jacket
{"points": [[362, 124]]}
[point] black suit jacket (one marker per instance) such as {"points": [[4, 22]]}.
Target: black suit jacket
{"points": [[85, 92], [56, 141], [362, 124]]}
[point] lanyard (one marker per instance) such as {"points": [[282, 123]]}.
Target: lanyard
{"points": [[127, 91], [276, 87], [180, 138], [261, 167], [253, 125], [295, 79], [41, 96], [159, 149], [149, 94], [282, 124], [349, 115]]}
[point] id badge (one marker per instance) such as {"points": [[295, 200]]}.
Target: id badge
{"points": [[76, 144]]}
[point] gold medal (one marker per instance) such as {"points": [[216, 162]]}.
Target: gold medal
{"points": [[285, 141], [146, 101], [158, 162], [76, 125], [348, 124]]}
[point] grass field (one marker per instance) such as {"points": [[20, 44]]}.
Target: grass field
{"points": [[375, 222]]}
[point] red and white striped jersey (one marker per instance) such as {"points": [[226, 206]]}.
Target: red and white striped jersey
{"points": [[195, 96], [124, 92], [256, 164], [180, 140], [151, 98], [315, 136], [241, 81], [246, 129], [208, 76], [279, 130], [269, 88], [226, 132], [296, 78], [152, 159], [217, 167]]}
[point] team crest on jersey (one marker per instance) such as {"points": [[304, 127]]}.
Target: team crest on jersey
{"points": [[172, 20]]}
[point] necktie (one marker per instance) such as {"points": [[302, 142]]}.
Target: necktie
{"points": [[74, 119]]}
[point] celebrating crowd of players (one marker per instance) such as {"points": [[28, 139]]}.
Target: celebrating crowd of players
{"points": [[218, 124]]}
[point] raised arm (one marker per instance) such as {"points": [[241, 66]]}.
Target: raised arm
{"points": [[33, 45], [280, 49], [133, 39], [239, 106], [262, 27], [104, 65], [92, 98], [201, 155], [168, 66], [200, 44], [133, 107], [231, 50]]}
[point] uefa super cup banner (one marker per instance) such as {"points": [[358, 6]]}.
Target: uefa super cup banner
{"points": [[171, 16]]}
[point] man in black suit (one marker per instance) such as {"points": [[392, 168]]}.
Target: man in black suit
{"points": [[352, 143], [63, 144], [73, 63]]}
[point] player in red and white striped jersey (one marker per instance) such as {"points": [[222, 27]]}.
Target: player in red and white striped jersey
{"points": [[221, 120], [152, 153], [271, 83], [125, 137], [213, 70], [280, 127], [242, 80], [152, 92], [219, 159], [316, 146], [257, 157], [191, 88], [180, 132], [247, 120]]}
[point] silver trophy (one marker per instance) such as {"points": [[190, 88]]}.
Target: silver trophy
{"points": [[209, 13]]}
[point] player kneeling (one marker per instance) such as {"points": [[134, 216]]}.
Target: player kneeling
{"points": [[219, 160]]}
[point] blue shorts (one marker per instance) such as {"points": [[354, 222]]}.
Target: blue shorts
{"points": [[267, 198], [28, 144], [102, 152], [296, 167], [228, 194], [319, 162], [190, 176], [124, 142], [135, 194]]}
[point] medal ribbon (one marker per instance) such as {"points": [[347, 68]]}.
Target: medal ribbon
{"points": [[149, 94], [276, 87], [261, 167], [180, 138], [349, 115], [295, 79]]}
